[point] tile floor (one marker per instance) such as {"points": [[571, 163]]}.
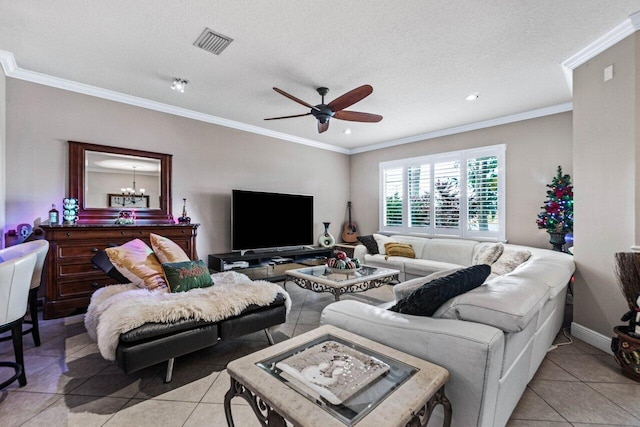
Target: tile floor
{"points": [[69, 384]]}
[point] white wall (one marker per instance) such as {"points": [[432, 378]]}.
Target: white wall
{"points": [[535, 148], [208, 160]]}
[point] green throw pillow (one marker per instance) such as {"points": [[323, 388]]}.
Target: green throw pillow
{"points": [[186, 275]]}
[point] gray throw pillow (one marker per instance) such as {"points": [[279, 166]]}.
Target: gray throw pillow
{"points": [[404, 289], [487, 253], [370, 243], [509, 260]]}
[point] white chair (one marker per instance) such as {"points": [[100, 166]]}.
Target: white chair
{"points": [[41, 247], [16, 273]]}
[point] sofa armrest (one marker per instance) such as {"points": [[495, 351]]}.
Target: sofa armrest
{"points": [[471, 352], [359, 252]]}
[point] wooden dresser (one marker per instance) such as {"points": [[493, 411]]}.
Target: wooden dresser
{"points": [[72, 278]]}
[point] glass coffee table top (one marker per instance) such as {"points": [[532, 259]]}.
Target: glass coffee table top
{"points": [[343, 378], [324, 273]]}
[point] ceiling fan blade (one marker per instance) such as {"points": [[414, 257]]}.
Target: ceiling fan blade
{"points": [[288, 117], [323, 126], [350, 98], [293, 98], [356, 116]]}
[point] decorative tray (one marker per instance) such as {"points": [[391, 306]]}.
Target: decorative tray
{"points": [[343, 270], [331, 370]]}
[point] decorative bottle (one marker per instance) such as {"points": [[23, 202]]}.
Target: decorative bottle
{"points": [[326, 240], [184, 219], [54, 215]]}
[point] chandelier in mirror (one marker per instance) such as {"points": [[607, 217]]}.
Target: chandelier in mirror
{"points": [[130, 197]]}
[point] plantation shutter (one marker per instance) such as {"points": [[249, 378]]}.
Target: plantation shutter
{"points": [[446, 178], [393, 197], [482, 194], [419, 182]]}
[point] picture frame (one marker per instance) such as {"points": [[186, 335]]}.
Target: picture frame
{"points": [[130, 202]]}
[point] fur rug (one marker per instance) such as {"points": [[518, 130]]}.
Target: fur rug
{"points": [[117, 309]]}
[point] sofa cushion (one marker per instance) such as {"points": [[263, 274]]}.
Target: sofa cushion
{"points": [[381, 240], [404, 289], [425, 267], [487, 253], [425, 300], [187, 275], [370, 243], [509, 260], [167, 250], [396, 263], [137, 262], [506, 302], [417, 243], [453, 251], [399, 249]]}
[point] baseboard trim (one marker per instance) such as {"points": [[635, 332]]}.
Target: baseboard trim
{"points": [[591, 337]]}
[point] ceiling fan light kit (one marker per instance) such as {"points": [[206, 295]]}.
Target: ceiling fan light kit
{"points": [[324, 112]]}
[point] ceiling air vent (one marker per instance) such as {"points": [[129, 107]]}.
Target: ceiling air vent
{"points": [[213, 42]]}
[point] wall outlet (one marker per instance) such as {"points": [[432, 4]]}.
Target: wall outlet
{"points": [[608, 73]]}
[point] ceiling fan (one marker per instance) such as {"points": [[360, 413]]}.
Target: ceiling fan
{"points": [[323, 112]]}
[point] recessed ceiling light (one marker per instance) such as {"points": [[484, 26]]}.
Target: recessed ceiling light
{"points": [[347, 131], [472, 96], [179, 84]]}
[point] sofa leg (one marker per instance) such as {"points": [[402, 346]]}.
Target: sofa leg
{"points": [[169, 375], [269, 337]]}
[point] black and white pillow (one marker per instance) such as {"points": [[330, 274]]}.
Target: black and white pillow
{"points": [[426, 300], [370, 243]]}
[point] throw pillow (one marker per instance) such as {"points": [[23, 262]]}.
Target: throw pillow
{"points": [[381, 240], [399, 249], [370, 243], [404, 289], [488, 253], [167, 250], [425, 300], [137, 262], [509, 260], [186, 275], [101, 260]]}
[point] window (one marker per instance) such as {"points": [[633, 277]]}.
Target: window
{"points": [[456, 194]]}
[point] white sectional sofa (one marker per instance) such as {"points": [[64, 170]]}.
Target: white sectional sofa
{"points": [[491, 339]]}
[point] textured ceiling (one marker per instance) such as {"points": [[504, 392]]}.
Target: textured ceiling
{"points": [[421, 57]]}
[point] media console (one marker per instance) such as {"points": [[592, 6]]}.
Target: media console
{"points": [[272, 264]]}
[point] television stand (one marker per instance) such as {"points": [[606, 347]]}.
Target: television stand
{"points": [[261, 266]]}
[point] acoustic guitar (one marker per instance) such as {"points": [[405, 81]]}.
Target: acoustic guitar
{"points": [[349, 230]]}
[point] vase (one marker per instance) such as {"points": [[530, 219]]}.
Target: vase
{"points": [[557, 240], [626, 350], [326, 240]]}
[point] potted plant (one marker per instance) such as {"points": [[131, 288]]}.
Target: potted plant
{"points": [[626, 344], [557, 214]]}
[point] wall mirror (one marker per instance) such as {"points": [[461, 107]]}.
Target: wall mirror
{"points": [[106, 180]]}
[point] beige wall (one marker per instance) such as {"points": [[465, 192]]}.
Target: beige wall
{"points": [[535, 148], [605, 133], [208, 160], [3, 127]]}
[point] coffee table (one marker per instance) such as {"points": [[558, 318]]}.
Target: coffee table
{"points": [[322, 279], [405, 395]]}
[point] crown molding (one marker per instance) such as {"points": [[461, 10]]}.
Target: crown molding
{"points": [[541, 112], [599, 45], [12, 70]]}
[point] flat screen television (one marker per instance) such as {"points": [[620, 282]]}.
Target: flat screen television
{"points": [[270, 220]]}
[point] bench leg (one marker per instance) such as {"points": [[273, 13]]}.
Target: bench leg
{"points": [[169, 375], [269, 337]]}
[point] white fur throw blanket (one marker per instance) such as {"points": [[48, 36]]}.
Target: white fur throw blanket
{"points": [[117, 309]]}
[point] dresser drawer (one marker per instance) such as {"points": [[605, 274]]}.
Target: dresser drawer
{"points": [[67, 251], [82, 287], [104, 234], [82, 269]]}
